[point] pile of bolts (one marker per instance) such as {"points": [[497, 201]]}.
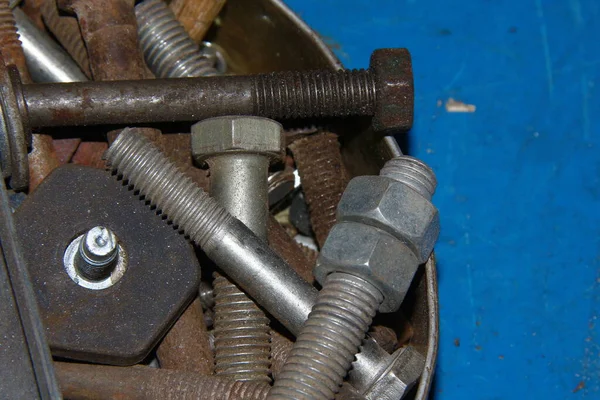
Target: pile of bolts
{"points": [[241, 259]]}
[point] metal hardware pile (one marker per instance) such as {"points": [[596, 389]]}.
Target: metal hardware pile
{"points": [[206, 237]]}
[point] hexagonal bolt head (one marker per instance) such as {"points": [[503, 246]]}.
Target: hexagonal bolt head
{"points": [[372, 254], [394, 107], [400, 377], [242, 134], [393, 207]]}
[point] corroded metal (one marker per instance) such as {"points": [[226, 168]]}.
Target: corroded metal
{"points": [[323, 178], [186, 347], [87, 382]]}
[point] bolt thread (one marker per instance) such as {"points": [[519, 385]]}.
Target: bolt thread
{"points": [[413, 173], [315, 93], [79, 381], [329, 340], [242, 335], [323, 178], [156, 177], [167, 47], [66, 30], [299, 257]]}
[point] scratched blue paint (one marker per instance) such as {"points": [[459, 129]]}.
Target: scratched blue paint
{"points": [[519, 180]]}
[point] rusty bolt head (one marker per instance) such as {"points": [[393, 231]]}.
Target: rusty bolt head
{"points": [[394, 107], [372, 254], [240, 134], [394, 207]]}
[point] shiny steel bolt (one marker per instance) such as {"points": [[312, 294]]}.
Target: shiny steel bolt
{"points": [[244, 257], [98, 252], [169, 50]]}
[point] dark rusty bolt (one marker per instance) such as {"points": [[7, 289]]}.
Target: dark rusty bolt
{"points": [[385, 91], [323, 178], [87, 381]]}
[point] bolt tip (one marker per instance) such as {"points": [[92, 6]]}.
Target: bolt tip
{"points": [[412, 172]]}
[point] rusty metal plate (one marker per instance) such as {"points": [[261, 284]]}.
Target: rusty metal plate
{"points": [[119, 324]]}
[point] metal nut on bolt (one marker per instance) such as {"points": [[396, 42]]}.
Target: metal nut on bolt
{"points": [[401, 208], [237, 134], [95, 260], [373, 254]]}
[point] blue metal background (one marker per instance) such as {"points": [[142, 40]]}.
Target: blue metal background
{"points": [[519, 180]]}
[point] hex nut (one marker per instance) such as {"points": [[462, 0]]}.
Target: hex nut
{"points": [[394, 85], [372, 254], [394, 207], [245, 134]]}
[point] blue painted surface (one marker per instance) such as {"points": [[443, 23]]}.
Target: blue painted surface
{"points": [[519, 180]]}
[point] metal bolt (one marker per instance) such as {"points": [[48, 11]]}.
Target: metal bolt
{"points": [[95, 260], [87, 381], [98, 251], [275, 95], [326, 346], [245, 258], [167, 47], [47, 61], [66, 31], [238, 151]]}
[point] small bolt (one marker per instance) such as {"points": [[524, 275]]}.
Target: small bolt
{"points": [[98, 251]]}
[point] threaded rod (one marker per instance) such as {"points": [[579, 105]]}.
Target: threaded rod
{"points": [[413, 173], [329, 340], [167, 47]]}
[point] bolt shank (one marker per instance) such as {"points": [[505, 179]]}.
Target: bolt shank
{"points": [[139, 101]]}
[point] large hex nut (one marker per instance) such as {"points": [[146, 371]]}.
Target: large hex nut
{"points": [[372, 254], [394, 207], [121, 323], [215, 136]]}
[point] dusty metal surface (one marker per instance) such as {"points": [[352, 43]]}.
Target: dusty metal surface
{"points": [[87, 382], [119, 324], [27, 365]]}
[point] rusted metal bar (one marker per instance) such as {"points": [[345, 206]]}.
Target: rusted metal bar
{"points": [[109, 30], [288, 249], [91, 382], [66, 30], [186, 347], [323, 178], [197, 16]]}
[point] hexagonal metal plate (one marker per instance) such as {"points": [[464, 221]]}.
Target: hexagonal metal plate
{"points": [[119, 324]]}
